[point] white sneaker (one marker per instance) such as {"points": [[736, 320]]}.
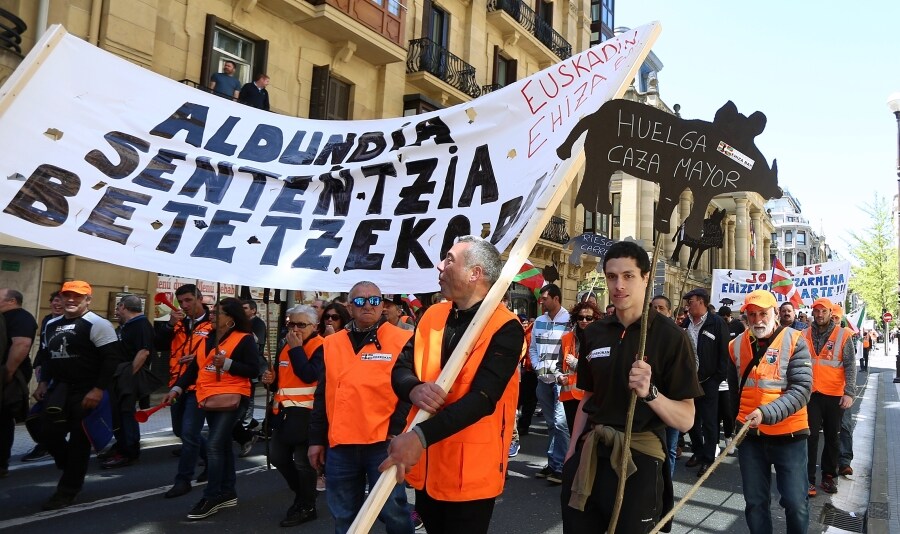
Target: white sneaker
{"points": [[728, 444]]}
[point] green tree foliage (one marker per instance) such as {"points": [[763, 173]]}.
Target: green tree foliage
{"points": [[874, 274]]}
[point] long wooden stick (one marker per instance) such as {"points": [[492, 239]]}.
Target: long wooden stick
{"points": [[629, 418], [687, 496]]}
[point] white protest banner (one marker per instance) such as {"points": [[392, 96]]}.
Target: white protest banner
{"points": [[730, 286], [145, 172]]}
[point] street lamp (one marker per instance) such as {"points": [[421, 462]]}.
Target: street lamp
{"points": [[894, 105]]}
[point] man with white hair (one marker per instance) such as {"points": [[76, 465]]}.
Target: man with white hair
{"points": [[457, 460], [772, 375]]}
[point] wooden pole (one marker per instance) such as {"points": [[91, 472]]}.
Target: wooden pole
{"points": [[734, 443], [379, 493], [16, 83]]}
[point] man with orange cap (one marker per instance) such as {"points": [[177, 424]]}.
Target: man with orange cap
{"points": [[773, 378], [84, 352], [834, 386]]}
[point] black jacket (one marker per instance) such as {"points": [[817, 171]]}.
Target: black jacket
{"points": [[712, 348]]}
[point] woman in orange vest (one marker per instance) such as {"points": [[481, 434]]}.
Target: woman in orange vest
{"points": [[221, 375], [583, 314], [294, 381]]}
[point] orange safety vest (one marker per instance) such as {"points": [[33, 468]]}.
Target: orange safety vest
{"points": [[828, 365], [359, 399], [292, 390], [526, 360], [569, 391], [184, 343], [470, 464], [207, 384], [768, 380]]}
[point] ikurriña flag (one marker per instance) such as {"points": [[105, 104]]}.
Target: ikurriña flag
{"points": [[783, 283], [530, 277]]}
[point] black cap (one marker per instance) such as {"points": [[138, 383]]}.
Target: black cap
{"points": [[697, 292], [724, 311]]}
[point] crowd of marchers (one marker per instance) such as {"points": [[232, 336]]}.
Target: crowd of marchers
{"points": [[349, 375]]}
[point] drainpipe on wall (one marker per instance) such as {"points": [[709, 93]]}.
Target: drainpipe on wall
{"points": [[94, 35], [40, 25]]}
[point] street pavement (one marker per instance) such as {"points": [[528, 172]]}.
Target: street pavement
{"points": [[130, 499]]}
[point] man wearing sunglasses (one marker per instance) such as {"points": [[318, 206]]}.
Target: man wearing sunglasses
{"points": [[452, 459], [355, 412]]}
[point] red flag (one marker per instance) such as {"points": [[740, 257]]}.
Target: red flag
{"points": [[530, 277], [783, 284]]}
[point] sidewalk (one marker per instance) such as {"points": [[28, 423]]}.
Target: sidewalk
{"points": [[883, 514]]}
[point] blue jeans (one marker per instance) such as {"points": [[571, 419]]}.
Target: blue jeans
{"points": [[192, 442], [219, 454], [846, 456], [757, 456], [672, 444], [346, 469], [558, 430]]}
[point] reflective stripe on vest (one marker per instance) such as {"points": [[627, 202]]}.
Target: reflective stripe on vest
{"points": [[768, 380], [569, 391], [470, 464], [828, 364], [292, 390], [207, 384], [184, 344], [359, 399]]}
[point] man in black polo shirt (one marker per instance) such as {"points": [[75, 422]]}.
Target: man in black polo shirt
{"points": [[15, 369], [136, 336], [608, 372]]}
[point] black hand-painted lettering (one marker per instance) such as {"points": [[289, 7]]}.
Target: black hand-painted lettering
{"points": [[369, 147], [410, 202], [264, 144], [337, 147], [257, 187], [287, 201], [151, 176], [312, 256], [282, 225], [365, 238], [170, 241], [102, 221], [447, 196], [382, 171], [433, 128], [481, 174], [408, 244], [458, 226], [220, 227], [126, 146], [292, 154], [189, 117], [216, 183], [338, 189], [218, 143], [42, 198], [508, 215]]}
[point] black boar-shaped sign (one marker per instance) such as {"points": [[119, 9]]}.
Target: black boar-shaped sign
{"points": [[708, 158]]}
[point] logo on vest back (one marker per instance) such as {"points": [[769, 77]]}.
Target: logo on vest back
{"points": [[283, 363], [375, 357], [771, 355]]}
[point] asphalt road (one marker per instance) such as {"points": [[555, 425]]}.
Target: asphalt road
{"points": [[130, 499]]}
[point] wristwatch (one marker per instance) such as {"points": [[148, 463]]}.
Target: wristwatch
{"points": [[652, 395]]}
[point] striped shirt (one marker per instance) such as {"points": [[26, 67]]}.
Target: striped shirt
{"points": [[546, 345]]}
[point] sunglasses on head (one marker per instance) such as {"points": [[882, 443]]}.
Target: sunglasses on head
{"points": [[292, 324], [359, 302], [588, 318], [332, 316]]}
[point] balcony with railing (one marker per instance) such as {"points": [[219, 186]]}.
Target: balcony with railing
{"points": [[427, 57], [371, 30], [556, 231], [526, 18]]}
